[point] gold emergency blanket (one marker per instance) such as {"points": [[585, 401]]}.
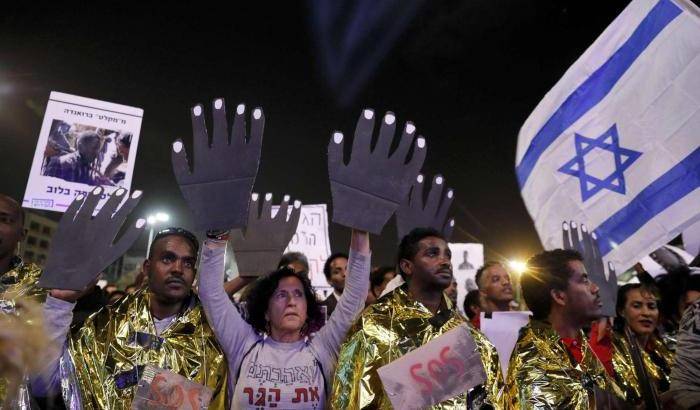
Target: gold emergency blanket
{"points": [[387, 330], [19, 282], [541, 373], [109, 345], [658, 366]]}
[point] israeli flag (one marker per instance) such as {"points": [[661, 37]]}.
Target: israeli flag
{"points": [[616, 143]]}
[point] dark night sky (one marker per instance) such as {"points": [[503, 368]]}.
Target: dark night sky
{"points": [[467, 73]]}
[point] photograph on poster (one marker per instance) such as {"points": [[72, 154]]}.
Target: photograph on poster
{"points": [[86, 154], [83, 143]]}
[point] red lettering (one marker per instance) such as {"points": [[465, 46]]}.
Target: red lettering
{"points": [[194, 399], [249, 392], [456, 364], [435, 370], [261, 399], [420, 379]]}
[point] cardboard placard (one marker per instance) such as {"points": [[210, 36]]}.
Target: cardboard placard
{"points": [[444, 368], [163, 389], [82, 144], [502, 330]]}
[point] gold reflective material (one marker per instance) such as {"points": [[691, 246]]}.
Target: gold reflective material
{"points": [[19, 282], [387, 330], [104, 347], [541, 373], [658, 366]]}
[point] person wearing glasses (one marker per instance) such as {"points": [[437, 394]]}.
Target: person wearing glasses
{"points": [[274, 360], [161, 324]]}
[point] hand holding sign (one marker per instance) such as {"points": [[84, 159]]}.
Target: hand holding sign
{"points": [[368, 190], [83, 244], [587, 245], [265, 238], [217, 190], [413, 213], [437, 371]]}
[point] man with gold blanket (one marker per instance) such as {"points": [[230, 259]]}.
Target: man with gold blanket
{"points": [[161, 328], [552, 364], [404, 320]]}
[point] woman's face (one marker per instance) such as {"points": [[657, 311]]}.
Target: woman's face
{"points": [[286, 309], [641, 311]]}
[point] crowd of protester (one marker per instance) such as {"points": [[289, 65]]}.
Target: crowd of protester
{"points": [[271, 342]]}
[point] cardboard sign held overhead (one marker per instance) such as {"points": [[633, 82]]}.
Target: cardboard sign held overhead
{"points": [[413, 213], [83, 143], [259, 248], [84, 245], [368, 190], [218, 187]]}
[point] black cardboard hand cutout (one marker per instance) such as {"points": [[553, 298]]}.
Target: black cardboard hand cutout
{"points": [[413, 213], [218, 188], [83, 244], [368, 190], [587, 245], [258, 250]]}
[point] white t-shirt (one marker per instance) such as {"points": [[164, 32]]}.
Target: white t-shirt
{"points": [[273, 373]]}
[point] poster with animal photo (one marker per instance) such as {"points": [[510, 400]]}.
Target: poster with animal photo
{"points": [[83, 143]]}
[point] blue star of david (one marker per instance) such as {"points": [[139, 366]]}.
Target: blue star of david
{"points": [[609, 141]]}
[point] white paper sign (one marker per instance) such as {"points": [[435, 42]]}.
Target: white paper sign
{"points": [[466, 259], [444, 368], [83, 143], [502, 330], [311, 239]]}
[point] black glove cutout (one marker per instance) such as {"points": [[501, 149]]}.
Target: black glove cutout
{"points": [[587, 246], [369, 189], [83, 244], [218, 188], [412, 213], [258, 250]]}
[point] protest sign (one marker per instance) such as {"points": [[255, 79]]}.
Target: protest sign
{"points": [[83, 143], [437, 371], [502, 328], [163, 389], [311, 239], [466, 259]]}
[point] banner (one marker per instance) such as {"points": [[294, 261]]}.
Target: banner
{"points": [[311, 239], [615, 144], [83, 143]]}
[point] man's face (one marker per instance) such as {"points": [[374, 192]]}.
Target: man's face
{"points": [[11, 230], [337, 276], [171, 269], [431, 266], [582, 298], [89, 147], [495, 285]]}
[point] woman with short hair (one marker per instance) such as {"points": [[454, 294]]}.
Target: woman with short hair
{"points": [[281, 358]]}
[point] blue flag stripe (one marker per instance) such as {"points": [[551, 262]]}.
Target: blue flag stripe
{"points": [[597, 86], [669, 188]]}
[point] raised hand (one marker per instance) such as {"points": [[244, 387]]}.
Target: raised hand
{"points": [[413, 213], [369, 189], [587, 245], [218, 188], [83, 244], [259, 249]]}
